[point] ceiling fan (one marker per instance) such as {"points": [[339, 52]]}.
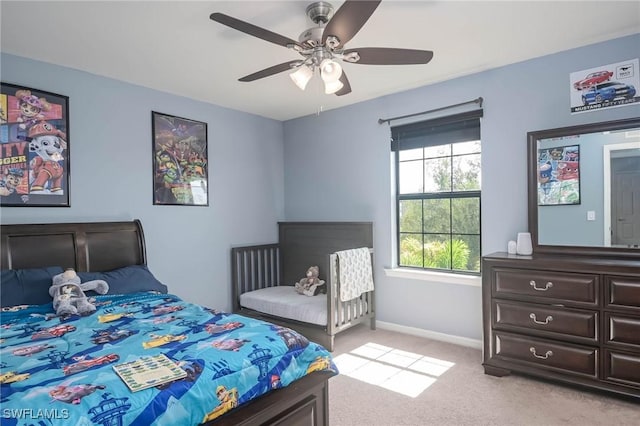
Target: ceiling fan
{"points": [[323, 47]]}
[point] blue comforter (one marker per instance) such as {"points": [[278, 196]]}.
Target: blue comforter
{"points": [[59, 370]]}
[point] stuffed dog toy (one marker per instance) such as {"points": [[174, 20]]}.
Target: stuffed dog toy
{"points": [[68, 293]]}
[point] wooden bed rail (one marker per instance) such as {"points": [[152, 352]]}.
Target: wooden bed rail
{"points": [[253, 268], [349, 313]]}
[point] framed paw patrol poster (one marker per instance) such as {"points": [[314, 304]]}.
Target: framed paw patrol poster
{"points": [[34, 147], [558, 175]]}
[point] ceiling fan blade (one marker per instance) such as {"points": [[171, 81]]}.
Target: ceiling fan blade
{"points": [[253, 30], [269, 71], [346, 88], [348, 20], [391, 56]]}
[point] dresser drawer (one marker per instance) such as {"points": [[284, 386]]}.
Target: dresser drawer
{"points": [[547, 354], [623, 292], [622, 368], [558, 286], [622, 330], [548, 319]]}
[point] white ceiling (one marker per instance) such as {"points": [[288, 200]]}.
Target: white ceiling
{"points": [[173, 46]]}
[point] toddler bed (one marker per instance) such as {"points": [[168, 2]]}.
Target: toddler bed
{"points": [[263, 279], [59, 370]]}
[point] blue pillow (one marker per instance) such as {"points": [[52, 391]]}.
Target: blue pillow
{"points": [[130, 279], [27, 286]]}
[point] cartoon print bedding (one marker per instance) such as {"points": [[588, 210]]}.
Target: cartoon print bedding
{"points": [[60, 369]]}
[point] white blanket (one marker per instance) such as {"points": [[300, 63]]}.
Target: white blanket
{"points": [[355, 273]]}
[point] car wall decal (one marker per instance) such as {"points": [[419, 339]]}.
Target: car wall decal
{"points": [[605, 86]]}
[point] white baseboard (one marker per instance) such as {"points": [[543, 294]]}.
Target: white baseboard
{"points": [[457, 340]]}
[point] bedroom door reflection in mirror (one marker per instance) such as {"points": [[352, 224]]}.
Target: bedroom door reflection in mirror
{"points": [[622, 193]]}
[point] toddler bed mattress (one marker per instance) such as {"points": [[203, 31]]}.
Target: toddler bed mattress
{"points": [[286, 302], [60, 369]]}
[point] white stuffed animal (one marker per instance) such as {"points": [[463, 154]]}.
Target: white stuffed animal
{"points": [[68, 294]]}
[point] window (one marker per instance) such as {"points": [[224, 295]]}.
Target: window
{"points": [[438, 193]]}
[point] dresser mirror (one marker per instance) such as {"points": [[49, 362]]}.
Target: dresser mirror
{"points": [[584, 189]]}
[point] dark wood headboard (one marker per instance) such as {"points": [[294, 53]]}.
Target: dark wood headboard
{"points": [[305, 244], [88, 246]]}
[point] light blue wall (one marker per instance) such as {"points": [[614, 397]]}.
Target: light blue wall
{"points": [[335, 166], [553, 220], [188, 248], [338, 167]]}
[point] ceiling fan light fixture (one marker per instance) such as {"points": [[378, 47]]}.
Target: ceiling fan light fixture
{"points": [[330, 71], [323, 46], [301, 76], [331, 87]]}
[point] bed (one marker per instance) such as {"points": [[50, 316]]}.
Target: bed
{"points": [[263, 277], [58, 370]]}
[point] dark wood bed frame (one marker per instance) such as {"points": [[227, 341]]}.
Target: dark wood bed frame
{"points": [[301, 245], [103, 246]]}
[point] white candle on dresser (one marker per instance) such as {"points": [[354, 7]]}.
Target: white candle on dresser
{"points": [[523, 245]]}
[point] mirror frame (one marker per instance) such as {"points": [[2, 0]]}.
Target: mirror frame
{"points": [[532, 186]]}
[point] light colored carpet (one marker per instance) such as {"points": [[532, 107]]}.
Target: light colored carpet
{"points": [[458, 392]]}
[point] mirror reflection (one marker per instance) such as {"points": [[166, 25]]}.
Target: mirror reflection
{"points": [[588, 189]]}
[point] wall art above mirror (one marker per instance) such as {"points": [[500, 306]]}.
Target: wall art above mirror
{"points": [[584, 189]]}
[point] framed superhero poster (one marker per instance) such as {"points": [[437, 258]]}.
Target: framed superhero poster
{"points": [[34, 148], [180, 161]]}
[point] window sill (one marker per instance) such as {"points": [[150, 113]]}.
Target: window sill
{"points": [[435, 277]]}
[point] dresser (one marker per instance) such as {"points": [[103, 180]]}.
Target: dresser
{"points": [[574, 319]]}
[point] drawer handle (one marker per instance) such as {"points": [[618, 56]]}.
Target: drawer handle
{"points": [[545, 322], [545, 356], [549, 284]]}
